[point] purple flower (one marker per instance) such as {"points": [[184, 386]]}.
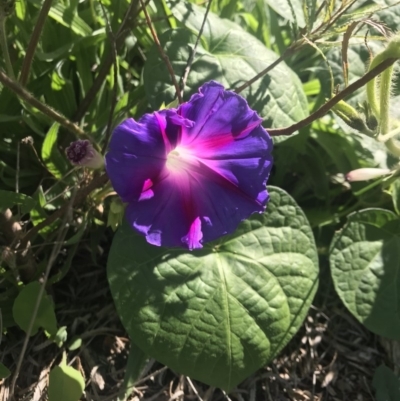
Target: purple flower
{"points": [[192, 174], [82, 153]]}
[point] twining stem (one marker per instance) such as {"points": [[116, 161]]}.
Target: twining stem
{"points": [[115, 83], [4, 46], [30, 50], [162, 52], [288, 52], [384, 99], [44, 108], [193, 53], [372, 84], [370, 75]]}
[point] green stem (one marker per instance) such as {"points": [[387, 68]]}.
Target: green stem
{"points": [[371, 85], [44, 108], [4, 46], [30, 51], [384, 98]]}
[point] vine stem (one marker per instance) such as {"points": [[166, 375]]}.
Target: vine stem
{"points": [[193, 53], [31, 49], [288, 52], [161, 51], [44, 108], [115, 83], [4, 46], [324, 109]]}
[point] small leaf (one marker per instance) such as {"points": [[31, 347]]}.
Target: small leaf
{"points": [[219, 313], [365, 266], [76, 342], [61, 336], [387, 384], [65, 384], [24, 306], [8, 199], [4, 371], [52, 158]]}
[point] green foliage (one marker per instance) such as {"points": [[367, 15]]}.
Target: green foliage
{"points": [[219, 313], [65, 383], [24, 307], [9, 199], [228, 55], [51, 156], [365, 267], [387, 384]]}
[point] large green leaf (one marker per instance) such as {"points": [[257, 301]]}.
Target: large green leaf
{"points": [[229, 55], [365, 265], [289, 9], [219, 313]]}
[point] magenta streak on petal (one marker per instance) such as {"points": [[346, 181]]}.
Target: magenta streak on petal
{"points": [[147, 184], [194, 236], [182, 180]]}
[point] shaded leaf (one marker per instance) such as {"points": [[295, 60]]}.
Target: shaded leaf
{"points": [[9, 199], [365, 266], [24, 306], [387, 384], [4, 371]]}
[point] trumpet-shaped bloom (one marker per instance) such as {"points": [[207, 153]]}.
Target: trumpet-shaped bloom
{"points": [[191, 175]]}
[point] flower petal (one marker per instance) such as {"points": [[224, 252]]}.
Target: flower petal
{"points": [[138, 152], [220, 117], [203, 203], [164, 214]]}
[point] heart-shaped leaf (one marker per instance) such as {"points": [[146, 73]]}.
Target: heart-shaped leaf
{"points": [[219, 313], [365, 266], [65, 383], [24, 307]]}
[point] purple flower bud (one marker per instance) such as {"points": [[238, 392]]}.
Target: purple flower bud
{"points": [[82, 153]]}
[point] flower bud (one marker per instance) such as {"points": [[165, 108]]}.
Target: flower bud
{"points": [[116, 213], [349, 115], [82, 153], [365, 174]]}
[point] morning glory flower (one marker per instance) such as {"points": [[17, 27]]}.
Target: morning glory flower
{"points": [[190, 175]]}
